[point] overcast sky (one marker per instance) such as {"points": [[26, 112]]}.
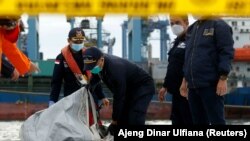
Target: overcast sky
{"points": [[53, 31]]}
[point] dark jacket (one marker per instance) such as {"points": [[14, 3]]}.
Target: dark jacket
{"points": [[7, 68], [174, 75], [209, 52], [122, 78], [62, 73]]}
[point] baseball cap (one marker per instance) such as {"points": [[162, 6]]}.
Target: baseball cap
{"points": [[76, 34], [90, 57]]}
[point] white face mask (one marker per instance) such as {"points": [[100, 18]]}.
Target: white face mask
{"points": [[177, 29]]}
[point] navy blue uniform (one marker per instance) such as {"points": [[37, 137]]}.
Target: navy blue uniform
{"points": [[7, 68], [209, 54], [180, 114], [132, 89], [62, 73]]}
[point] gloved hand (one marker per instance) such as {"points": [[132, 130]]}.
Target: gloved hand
{"points": [[51, 103]]}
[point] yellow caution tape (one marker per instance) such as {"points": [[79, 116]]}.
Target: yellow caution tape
{"points": [[130, 7]]}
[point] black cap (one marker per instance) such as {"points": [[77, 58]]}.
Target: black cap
{"points": [[76, 33], [90, 57]]}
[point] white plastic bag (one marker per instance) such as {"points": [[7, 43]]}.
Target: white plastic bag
{"points": [[66, 120]]}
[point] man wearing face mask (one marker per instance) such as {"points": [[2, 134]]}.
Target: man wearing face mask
{"points": [[69, 69], [180, 114], [132, 87], [209, 54]]}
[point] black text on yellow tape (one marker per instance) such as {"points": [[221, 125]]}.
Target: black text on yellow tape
{"points": [[130, 7]]}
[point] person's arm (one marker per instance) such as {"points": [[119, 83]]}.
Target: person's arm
{"points": [[163, 90], [98, 91], [19, 60], [165, 80], [224, 43], [119, 82], [94, 82], [184, 88], [95, 88], [16, 57], [57, 79], [100, 95], [7, 69]]}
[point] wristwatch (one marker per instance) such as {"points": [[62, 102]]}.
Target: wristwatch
{"points": [[223, 77]]}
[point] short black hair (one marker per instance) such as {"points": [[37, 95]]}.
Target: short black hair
{"points": [[76, 33]]}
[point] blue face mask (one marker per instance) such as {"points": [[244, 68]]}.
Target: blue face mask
{"points": [[96, 70], [77, 47]]}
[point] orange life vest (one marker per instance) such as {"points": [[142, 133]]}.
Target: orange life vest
{"points": [[76, 70], [7, 46], [72, 63]]}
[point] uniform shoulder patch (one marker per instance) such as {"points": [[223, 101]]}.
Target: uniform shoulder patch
{"points": [[182, 45], [57, 62]]}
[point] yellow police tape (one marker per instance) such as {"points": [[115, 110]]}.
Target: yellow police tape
{"points": [[130, 7]]}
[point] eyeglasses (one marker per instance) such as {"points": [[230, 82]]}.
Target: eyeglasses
{"points": [[78, 40]]}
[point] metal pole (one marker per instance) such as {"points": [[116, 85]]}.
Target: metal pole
{"points": [[124, 40], [99, 32], [163, 43]]}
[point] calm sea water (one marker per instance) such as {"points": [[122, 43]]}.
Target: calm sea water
{"points": [[9, 130]]}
